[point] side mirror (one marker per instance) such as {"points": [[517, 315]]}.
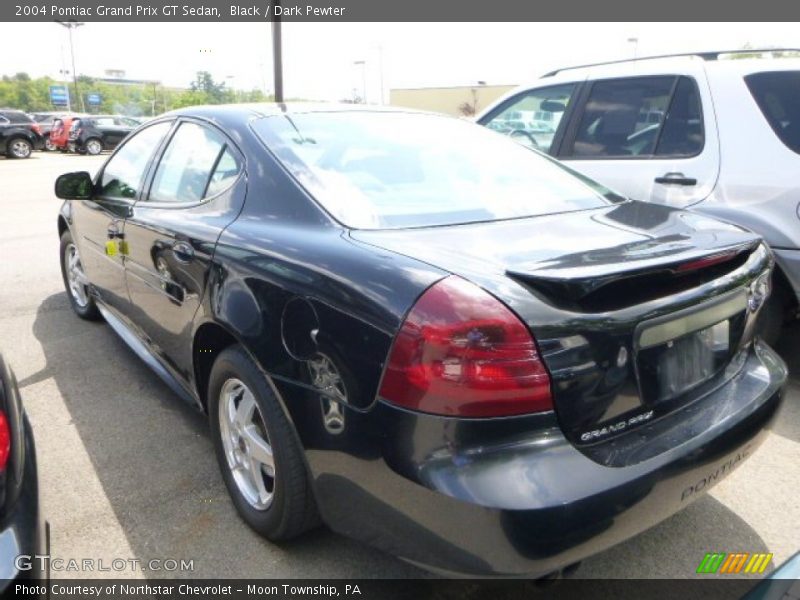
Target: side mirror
{"points": [[74, 186]]}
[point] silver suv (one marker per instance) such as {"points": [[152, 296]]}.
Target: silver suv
{"points": [[718, 132]]}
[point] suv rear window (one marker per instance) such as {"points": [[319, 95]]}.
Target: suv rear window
{"points": [[776, 94]]}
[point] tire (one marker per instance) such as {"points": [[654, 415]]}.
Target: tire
{"points": [[19, 148], [284, 507], [93, 147], [49, 145], [773, 314], [82, 303]]}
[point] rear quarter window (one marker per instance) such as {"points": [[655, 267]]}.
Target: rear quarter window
{"points": [[776, 94]]}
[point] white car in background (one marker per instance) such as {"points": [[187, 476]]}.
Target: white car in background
{"points": [[717, 132]]}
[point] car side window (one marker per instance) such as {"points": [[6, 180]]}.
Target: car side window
{"points": [[640, 117], [195, 165], [123, 174], [224, 175], [682, 133], [776, 94], [532, 118], [4, 120]]}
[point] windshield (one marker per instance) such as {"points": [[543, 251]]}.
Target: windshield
{"points": [[376, 170]]}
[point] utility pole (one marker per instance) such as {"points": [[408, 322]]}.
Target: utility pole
{"points": [[363, 65], [277, 54], [635, 42], [70, 25], [380, 67]]}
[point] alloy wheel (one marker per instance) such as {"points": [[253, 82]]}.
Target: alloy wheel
{"points": [[20, 148], [94, 147], [76, 278], [246, 444]]}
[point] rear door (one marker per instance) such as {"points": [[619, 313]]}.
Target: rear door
{"points": [[650, 137], [109, 131], [196, 190]]}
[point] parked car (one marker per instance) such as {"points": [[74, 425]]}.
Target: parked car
{"points": [[721, 137], [46, 121], [412, 328], [20, 530], [60, 131], [19, 134], [93, 134]]}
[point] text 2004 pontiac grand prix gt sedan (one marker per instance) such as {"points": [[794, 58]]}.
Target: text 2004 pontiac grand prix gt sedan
{"points": [[431, 338]]}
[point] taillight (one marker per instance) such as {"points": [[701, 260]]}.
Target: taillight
{"points": [[5, 440], [461, 352], [35, 127]]}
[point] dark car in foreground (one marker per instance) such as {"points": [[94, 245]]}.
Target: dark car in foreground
{"points": [[423, 334], [20, 135], [93, 134], [20, 532]]}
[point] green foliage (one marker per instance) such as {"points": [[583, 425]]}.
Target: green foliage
{"points": [[32, 95]]}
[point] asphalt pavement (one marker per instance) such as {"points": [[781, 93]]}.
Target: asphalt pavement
{"points": [[128, 472]]}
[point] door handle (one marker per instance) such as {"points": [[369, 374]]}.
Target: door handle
{"points": [[676, 179], [183, 251], [114, 233]]}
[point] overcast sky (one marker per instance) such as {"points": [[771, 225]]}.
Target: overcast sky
{"points": [[319, 57]]}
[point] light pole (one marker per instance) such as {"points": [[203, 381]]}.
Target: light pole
{"points": [[277, 54], [635, 42], [70, 25], [363, 65]]}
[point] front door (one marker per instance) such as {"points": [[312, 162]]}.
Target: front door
{"points": [[99, 224], [195, 192]]}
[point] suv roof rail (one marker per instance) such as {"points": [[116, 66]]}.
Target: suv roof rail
{"points": [[714, 55]]}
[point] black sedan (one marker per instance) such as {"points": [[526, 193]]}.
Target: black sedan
{"points": [[423, 334], [20, 532]]}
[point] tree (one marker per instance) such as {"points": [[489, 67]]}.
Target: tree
{"points": [[215, 93]]}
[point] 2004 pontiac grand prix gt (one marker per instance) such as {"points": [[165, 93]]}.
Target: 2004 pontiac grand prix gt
{"points": [[423, 334]]}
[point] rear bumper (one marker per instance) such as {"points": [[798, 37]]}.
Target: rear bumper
{"points": [[444, 494]]}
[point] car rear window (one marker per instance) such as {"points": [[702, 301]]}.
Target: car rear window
{"points": [[378, 170], [776, 94]]}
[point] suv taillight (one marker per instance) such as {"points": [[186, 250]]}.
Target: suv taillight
{"points": [[461, 352], [35, 127], [5, 440]]}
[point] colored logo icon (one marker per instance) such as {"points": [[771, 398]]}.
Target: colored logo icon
{"points": [[737, 562]]}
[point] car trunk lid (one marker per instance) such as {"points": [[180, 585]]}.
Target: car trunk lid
{"points": [[637, 309]]}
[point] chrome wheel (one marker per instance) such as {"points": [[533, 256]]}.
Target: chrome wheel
{"points": [[326, 377], [246, 444], [76, 278], [94, 147], [49, 145], [20, 148]]}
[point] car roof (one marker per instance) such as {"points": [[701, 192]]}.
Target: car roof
{"points": [[740, 61], [267, 109]]}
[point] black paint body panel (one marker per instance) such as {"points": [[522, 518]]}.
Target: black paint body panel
{"points": [[506, 496]]}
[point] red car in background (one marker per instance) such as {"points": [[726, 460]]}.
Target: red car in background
{"points": [[59, 134]]}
